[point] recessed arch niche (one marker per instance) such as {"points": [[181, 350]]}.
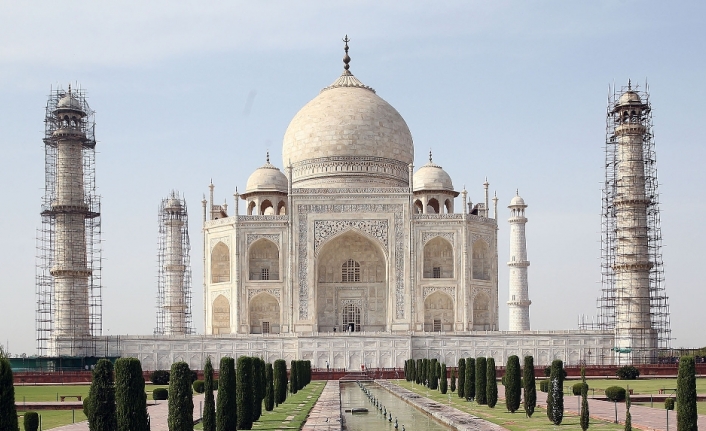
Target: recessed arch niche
{"points": [[263, 260], [481, 312], [220, 263], [334, 290], [264, 312], [438, 259], [438, 312], [220, 316], [481, 260]]}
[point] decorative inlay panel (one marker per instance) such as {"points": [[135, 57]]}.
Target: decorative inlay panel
{"points": [[325, 229], [339, 191], [426, 236], [484, 237], [252, 237], [215, 294], [213, 241], [274, 292], [303, 265], [263, 218], [450, 290]]}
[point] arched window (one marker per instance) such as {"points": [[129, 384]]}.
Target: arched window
{"points": [[449, 206], [438, 259], [418, 207], [481, 260], [251, 207], [281, 208], [266, 208], [220, 263], [350, 271], [220, 316]]}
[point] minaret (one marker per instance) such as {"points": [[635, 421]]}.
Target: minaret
{"points": [[174, 278], [68, 275], [633, 263], [519, 296]]}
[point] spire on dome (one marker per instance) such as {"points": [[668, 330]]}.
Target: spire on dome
{"points": [[430, 160], [347, 79], [268, 157], [629, 81]]}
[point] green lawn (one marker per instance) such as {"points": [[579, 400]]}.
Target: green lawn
{"points": [[56, 418], [296, 406], [517, 421], [52, 392], [639, 386]]}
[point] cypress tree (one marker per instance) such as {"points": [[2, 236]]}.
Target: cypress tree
{"points": [[209, 403], [443, 383], [269, 388], [584, 420], [301, 374], [244, 392], [130, 396], [181, 401], [258, 387], [687, 415], [413, 370], [461, 377], [406, 370], [101, 398], [628, 416], [470, 379], [226, 411], [513, 388], [425, 372], [8, 412], [453, 380], [491, 389], [555, 397], [530, 388], [434, 378], [293, 378], [280, 381], [419, 372], [481, 380]]}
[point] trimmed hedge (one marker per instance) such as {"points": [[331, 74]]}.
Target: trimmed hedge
{"points": [[628, 372], [544, 385], [470, 379], [434, 377], [615, 393], [461, 377], [31, 421], [8, 412], [99, 406], [577, 387], [209, 402], [669, 404], [491, 388], [226, 414], [513, 384], [453, 380], [245, 392], [159, 394], [160, 377], [555, 397], [443, 383], [269, 388], [199, 386], [280, 381], [687, 415], [481, 381]]}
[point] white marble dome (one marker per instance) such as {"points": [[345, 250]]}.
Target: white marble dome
{"points": [[629, 98], [266, 178], [432, 177], [348, 136], [517, 201]]}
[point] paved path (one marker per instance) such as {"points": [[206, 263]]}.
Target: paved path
{"points": [[448, 415], [326, 413], [158, 417], [643, 417]]}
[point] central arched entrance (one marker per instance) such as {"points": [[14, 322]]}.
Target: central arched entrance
{"points": [[351, 284]]}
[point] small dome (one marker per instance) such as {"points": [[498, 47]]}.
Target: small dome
{"points": [[629, 98], [267, 178], [517, 201], [432, 177], [69, 102]]}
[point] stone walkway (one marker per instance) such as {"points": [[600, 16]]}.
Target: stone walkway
{"points": [[326, 413], [158, 417], [451, 416], [643, 417]]}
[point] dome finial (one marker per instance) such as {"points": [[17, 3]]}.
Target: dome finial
{"points": [[430, 161], [346, 58], [517, 192], [268, 156], [629, 84]]}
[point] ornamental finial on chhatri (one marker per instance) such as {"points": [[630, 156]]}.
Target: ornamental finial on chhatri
{"points": [[346, 58]]}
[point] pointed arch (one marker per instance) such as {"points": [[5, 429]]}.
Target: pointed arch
{"points": [[481, 312], [220, 316], [251, 207], [418, 207], [481, 260], [438, 312], [438, 259], [220, 263], [264, 313], [433, 206], [448, 204], [281, 208], [263, 260], [266, 208]]}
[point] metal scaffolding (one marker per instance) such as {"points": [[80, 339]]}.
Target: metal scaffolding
{"points": [[68, 275], [174, 268], [633, 303]]}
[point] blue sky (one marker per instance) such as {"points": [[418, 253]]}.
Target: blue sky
{"points": [[512, 90]]}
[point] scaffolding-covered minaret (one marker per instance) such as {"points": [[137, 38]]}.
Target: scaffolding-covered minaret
{"points": [[634, 303], [174, 273], [69, 255], [519, 290]]}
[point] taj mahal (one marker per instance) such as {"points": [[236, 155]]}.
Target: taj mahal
{"points": [[349, 255]]}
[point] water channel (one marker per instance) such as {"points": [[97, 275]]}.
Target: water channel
{"points": [[408, 417]]}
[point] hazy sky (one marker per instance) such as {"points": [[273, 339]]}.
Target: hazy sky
{"points": [[515, 91]]}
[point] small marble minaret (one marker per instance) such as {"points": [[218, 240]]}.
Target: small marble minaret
{"points": [[519, 298]]}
